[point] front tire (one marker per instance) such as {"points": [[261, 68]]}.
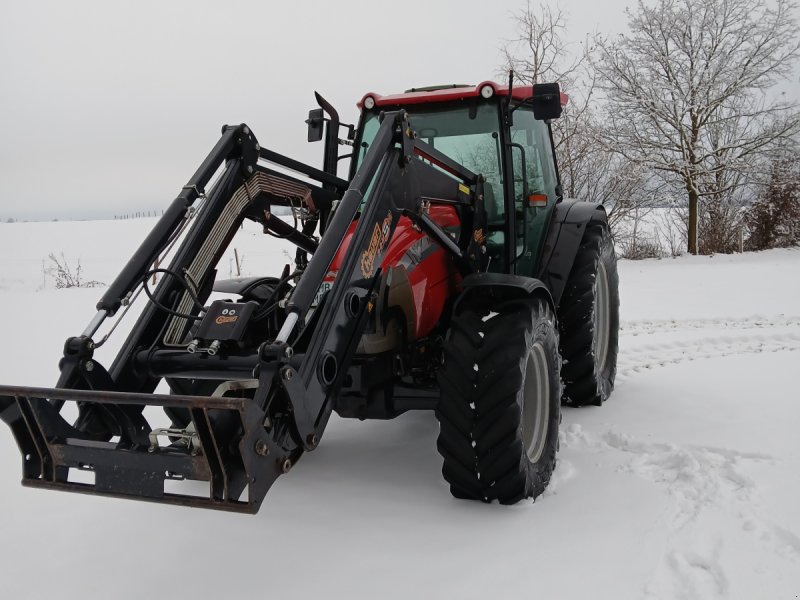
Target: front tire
{"points": [[500, 408]]}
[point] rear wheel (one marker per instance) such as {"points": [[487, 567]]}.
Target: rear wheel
{"points": [[588, 318], [499, 408]]}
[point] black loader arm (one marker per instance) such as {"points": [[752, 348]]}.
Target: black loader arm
{"points": [[272, 399], [394, 180]]}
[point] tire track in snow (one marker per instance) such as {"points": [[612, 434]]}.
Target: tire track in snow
{"points": [[651, 356], [646, 327]]}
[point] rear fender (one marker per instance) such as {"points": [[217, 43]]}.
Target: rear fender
{"points": [[498, 287], [569, 221]]}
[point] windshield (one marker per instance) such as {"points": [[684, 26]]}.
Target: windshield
{"points": [[469, 135]]}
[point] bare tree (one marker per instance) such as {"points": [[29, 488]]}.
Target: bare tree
{"points": [[687, 93], [671, 230], [539, 52], [589, 170]]}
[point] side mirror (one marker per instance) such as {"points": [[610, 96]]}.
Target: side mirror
{"points": [[315, 121], [546, 101]]}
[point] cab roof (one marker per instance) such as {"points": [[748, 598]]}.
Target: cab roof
{"points": [[450, 93]]}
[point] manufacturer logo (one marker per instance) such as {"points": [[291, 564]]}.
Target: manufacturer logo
{"points": [[228, 315], [380, 235]]}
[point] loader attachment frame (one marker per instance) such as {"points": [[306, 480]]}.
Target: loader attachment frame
{"points": [[277, 396], [141, 460]]}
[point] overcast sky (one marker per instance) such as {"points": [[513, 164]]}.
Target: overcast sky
{"points": [[108, 107]]}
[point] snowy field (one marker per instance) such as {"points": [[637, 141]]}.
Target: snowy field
{"points": [[684, 485]]}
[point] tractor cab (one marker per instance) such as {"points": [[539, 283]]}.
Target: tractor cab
{"points": [[501, 133]]}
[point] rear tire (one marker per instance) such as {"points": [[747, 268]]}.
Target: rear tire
{"points": [[499, 408], [588, 317]]}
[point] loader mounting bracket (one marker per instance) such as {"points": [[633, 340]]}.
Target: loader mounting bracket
{"points": [[236, 478]]}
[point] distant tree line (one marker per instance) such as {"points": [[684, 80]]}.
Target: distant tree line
{"points": [[144, 214]]}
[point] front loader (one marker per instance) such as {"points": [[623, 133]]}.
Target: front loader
{"points": [[447, 273]]}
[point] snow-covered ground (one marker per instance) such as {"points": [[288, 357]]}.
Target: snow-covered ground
{"points": [[684, 485]]}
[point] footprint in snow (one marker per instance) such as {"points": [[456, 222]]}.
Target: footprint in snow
{"points": [[696, 476]]}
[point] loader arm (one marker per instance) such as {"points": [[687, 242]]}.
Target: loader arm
{"points": [[277, 398], [391, 182]]}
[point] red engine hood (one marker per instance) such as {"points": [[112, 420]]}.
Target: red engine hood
{"points": [[428, 267]]}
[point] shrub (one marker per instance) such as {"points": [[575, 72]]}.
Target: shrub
{"points": [[638, 249], [773, 221], [66, 276]]}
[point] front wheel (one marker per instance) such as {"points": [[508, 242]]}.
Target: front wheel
{"points": [[500, 407]]}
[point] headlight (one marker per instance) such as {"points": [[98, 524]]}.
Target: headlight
{"points": [[369, 102], [487, 91]]}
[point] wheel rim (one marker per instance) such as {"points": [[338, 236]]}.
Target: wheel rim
{"points": [[601, 318], [536, 403]]}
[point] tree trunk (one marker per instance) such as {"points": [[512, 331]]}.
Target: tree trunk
{"points": [[692, 220]]}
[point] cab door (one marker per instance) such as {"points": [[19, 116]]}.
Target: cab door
{"points": [[534, 187]]}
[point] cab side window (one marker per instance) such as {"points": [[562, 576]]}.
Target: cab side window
{"points": [[538, 170]]}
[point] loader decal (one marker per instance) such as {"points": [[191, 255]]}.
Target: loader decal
{"points": [[380, 235], [222, 320]]}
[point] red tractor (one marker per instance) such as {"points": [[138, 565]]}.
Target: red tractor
{"points": [[447, 273]]}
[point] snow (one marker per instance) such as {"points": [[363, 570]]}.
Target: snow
{"points": [[683, 485]]}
